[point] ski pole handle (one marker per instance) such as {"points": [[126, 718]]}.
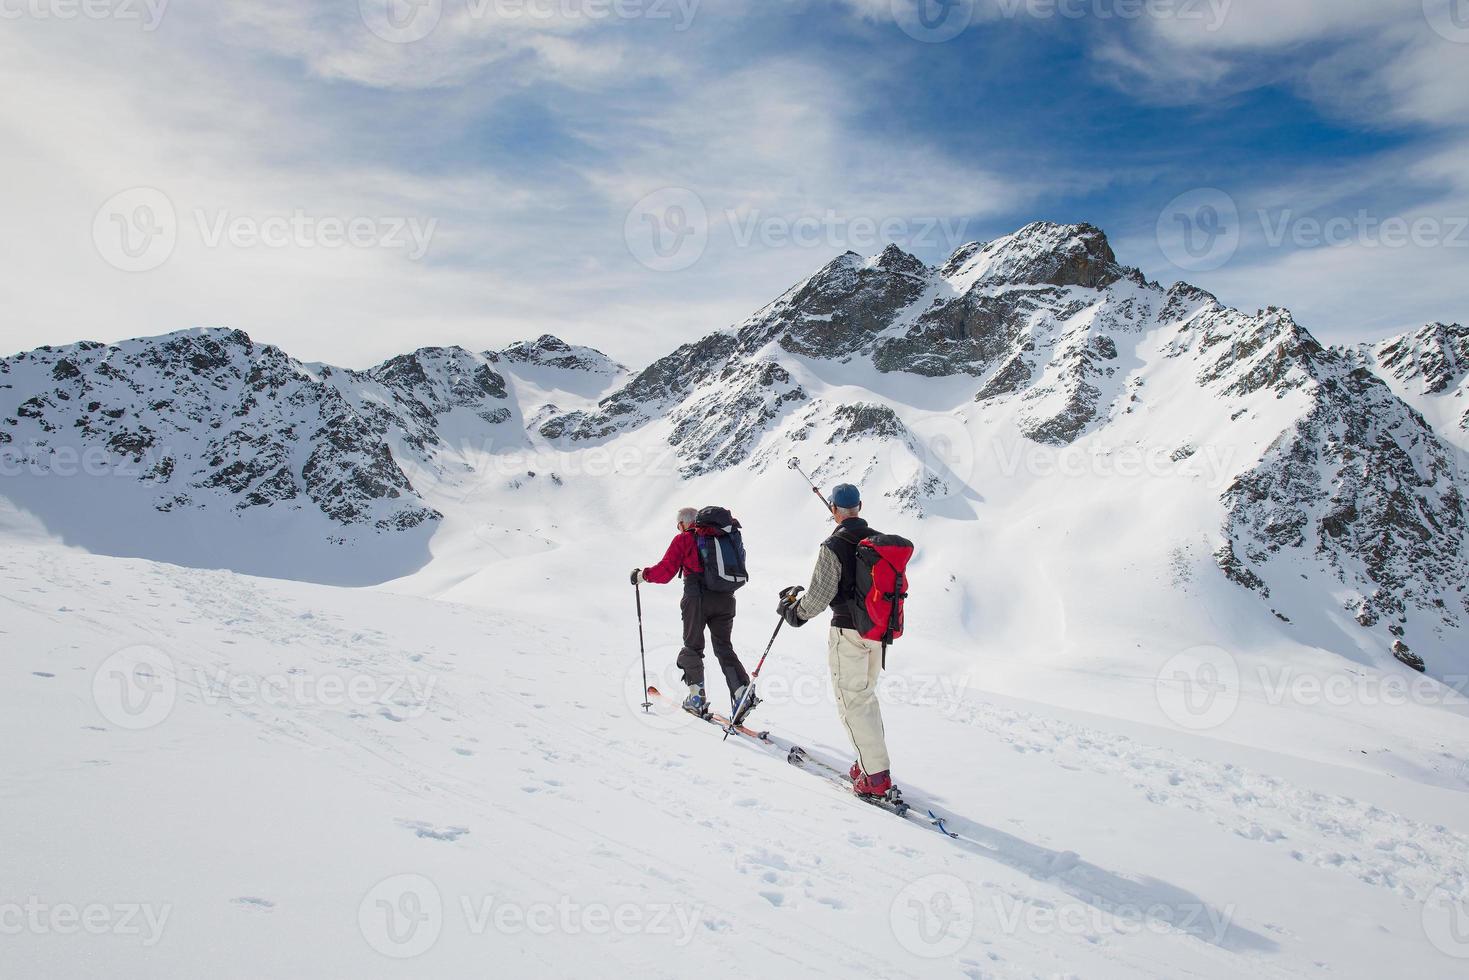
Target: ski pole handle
{"points": [[795, 464]]}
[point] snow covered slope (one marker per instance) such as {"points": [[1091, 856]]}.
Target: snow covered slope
{"points": [[241, 777]]}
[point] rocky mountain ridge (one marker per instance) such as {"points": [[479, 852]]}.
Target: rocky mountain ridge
{"points": [[1340, 475]]}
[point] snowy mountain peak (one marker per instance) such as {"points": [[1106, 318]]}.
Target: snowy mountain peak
{"points": [[552, 352], [894, 259], [1431, 360], [1041, 253]]}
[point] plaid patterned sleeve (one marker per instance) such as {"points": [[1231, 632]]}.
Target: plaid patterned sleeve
{"points": [[826, 578]]}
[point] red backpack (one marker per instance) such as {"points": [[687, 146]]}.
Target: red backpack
{"points": [[882, 588]]}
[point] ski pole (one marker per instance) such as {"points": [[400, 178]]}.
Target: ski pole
{"points": [[754, 676], [642, 651], [795, 464]]}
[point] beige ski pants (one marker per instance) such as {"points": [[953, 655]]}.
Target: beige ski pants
{"points": [[855, 664]]}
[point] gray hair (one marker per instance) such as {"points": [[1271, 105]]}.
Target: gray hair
{"points": [[845, 512], [686, 515]]}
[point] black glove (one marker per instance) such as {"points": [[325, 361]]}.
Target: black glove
{"points": [[786, 607], [636, 574]]}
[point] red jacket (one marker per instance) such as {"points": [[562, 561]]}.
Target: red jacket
{"points": [[682, 556]]}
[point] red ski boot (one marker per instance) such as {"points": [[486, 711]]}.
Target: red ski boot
{"points": [[877, 784]]}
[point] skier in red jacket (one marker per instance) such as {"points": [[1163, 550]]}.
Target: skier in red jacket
{"points": [[701, 609]]}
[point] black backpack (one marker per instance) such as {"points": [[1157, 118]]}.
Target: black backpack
{"points": [[721, 549]]}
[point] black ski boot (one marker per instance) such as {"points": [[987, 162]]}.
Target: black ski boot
{"points": [[742, 710]]}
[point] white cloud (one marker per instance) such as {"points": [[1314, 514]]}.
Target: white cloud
{"points": [[518, 249]]}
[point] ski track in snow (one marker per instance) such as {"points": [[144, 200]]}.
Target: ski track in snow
{"points": [[1374, 845]]}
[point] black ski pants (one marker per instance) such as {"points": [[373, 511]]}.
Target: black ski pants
{"points": [[714, 611]]}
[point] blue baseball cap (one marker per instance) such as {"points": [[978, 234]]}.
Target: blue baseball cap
{"points": [[845, 495]]}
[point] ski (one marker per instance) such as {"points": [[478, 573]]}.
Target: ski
{"points": [[892, 802], [713, 717], [799, 757]]}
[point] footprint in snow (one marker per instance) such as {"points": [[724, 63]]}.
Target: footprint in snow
{"points": [[463, 752], [41, 673], [253, 903], [1063, 862], [428, 831], [774, 898]]}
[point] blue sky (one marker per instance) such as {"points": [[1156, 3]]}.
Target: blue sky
{"points": [[507, 164]]}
